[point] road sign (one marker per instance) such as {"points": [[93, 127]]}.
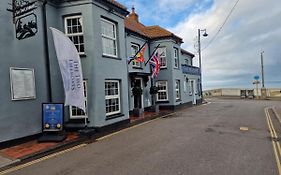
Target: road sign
{"points": [[256, 77]]}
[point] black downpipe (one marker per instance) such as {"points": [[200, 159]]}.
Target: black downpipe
{"points": [[46, 51]]}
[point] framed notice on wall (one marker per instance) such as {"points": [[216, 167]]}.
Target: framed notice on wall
{"points": [[22, 83]]}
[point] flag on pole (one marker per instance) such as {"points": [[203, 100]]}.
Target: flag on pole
{"points": [[71, 70], [155, 64], [139, 56]]}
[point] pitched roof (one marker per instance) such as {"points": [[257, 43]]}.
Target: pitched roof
{"points": [[153, 32], [117, 4], [187, 53]]}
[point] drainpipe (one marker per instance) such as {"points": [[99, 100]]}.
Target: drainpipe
{"points": [[46, 51]]}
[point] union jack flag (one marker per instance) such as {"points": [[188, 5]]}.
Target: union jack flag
{"points": [[155, 64]]}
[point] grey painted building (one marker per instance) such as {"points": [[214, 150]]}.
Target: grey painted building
{"points": [[104, 38], [97, 29], [178, 78]]}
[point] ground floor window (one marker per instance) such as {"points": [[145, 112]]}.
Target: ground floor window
{"points": [[76, 112], [112, 97], [162, 94], [177, 89]]}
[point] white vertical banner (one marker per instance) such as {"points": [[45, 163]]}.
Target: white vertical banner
{"points": [[71, 69]]}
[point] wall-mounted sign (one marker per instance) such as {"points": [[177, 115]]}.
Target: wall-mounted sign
{"points": [[24, 18], [26, 26], [22, 83], [52, 116], [23, 7]]}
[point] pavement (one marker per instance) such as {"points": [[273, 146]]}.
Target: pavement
{"points": [[29, 150]]}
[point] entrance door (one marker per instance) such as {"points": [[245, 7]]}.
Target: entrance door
{"points": [[192, 86], [138, 100]]}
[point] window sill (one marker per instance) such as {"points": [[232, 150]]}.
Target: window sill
{"points": [[137, 68], [82, 55], [162, 102], [113, 116], [178, 100], [163, 68], [111, 57]]}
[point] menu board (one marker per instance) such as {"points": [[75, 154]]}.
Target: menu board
{"points": [[22, 83]]}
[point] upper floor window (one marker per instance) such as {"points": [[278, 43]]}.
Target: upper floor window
{"points": [[74, 30], [109, 39], [176, 58], [134, 49], [186, 62], [163, 60]]}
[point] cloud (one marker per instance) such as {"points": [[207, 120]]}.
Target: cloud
{"points": [[233, 58], [252, 27]]}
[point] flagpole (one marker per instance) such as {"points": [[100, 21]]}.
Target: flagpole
{"points": [[152, 54], [138, 52]]}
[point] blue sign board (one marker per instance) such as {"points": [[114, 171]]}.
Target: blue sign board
{"points": [[256, 77], [52, 116]]}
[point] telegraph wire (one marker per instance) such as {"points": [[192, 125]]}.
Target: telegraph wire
{"points": [[222, 25]]}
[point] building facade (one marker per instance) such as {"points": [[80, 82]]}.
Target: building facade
{"points": [[177, 80], [105, 35]]}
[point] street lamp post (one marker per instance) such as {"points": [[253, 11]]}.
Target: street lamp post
{"points": [[199, 55]]}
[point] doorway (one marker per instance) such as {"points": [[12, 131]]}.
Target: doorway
{"points": [[138, 101]]}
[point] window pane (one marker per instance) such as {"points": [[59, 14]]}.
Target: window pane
{"points": [[74, 30]]}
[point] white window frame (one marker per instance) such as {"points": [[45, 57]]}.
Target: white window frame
{"points": [[177, 89], [166, 91], [107, 97], [75, 34], [176, 58], [85, 92], [134, 63], [110, 38], [163, 56]]}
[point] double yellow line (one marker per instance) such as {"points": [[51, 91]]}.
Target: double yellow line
{"points": [[274, 137], [40, 160]]}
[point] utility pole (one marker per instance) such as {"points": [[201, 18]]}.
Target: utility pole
{"points": [[262, 70], [199, 55], [263, 89]]}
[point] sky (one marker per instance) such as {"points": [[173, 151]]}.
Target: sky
{"points": [[233, 58]]}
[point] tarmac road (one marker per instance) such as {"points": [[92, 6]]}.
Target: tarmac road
{"points": [[204, 140]]}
